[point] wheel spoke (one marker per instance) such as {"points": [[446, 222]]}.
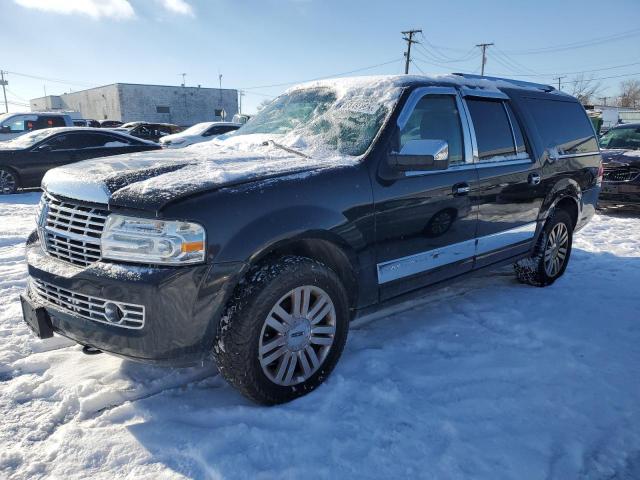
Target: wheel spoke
{"points": [[306, 299], [276, 324], [278, 342], [293, 361], [296, 301], [321, 314], [321, 340], [283, 314], [315, 361], [323, 330], [283, 367], [321, 302], [306, 368], [562, 252], [266, 361]]}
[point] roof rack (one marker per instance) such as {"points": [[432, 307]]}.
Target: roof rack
{"points": [[520, 83]]}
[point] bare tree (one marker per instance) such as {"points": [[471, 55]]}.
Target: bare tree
{"points": [[629, 93], [585, 89]]}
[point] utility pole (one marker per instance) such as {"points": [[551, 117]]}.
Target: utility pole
{"points": [[240, 95], [184, 76], [559, 81], [604, 100], [4, 84], [409, 41], [484, 46]]}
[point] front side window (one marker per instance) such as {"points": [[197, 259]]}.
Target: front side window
{"points": [[50, 122], [61, 142], [19, 123], [436, 117], [493, 129], [627, 138]]}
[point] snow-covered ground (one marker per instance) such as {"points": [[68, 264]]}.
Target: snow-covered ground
{"points": [[486, 379]]}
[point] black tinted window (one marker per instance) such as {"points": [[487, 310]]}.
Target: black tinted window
{"points": [[563, 125], [61, 142], [49, 122], [492, 127], [436, 117], [517, 130]]}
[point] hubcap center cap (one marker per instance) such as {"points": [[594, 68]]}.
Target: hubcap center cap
{"points": [[298, 335]]}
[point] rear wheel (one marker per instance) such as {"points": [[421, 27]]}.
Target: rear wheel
{"points": [[8, 181], [552, 252], [284, 330]]}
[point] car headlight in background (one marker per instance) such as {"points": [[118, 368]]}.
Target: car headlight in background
{"points": [[143, 240]]}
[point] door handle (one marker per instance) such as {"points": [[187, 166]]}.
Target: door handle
{"points": [[461, 189], [534, 178]]}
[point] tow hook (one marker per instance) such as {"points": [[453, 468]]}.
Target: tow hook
{"points": [[89, 350]]}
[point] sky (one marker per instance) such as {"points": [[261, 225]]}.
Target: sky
{"points": [[264, 46]]}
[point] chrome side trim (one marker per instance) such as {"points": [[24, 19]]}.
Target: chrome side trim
{"points": [[424, 261], [421, 262], [572, 155], [500, 163], [475, 92], [465, 166], [503, 239]]}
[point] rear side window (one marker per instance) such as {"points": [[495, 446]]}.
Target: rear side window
{"points": [[497, 131], [563, 126]]}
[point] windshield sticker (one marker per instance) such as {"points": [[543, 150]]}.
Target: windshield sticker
{"points": [[365, 106]]}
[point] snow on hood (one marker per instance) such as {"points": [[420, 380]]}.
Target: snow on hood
{"points": [[620, 155], [152, 179]]}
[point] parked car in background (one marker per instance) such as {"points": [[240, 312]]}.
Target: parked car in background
{"points": [[259, 248], [621, 159], [85, 122], [25, 160], [200, 132], [110, 123], [241, 118], [13, 125], [149, 131]]}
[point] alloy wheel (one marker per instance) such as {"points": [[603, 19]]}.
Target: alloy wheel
{"points": [[297, 335], [555, 252], [7, 182]]}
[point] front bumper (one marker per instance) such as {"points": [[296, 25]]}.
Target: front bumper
{"points": [[620, 193], [182, 305]]}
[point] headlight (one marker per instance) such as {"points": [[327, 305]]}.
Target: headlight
{"points": [[145, 240]]}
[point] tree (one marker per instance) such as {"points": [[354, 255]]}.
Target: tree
{"points": [[585, 88], [629, 93]]}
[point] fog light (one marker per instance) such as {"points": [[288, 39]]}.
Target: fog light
{"points": [[113, 312]]}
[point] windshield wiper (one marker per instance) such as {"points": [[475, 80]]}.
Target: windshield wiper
{"points": [[286, 149]]}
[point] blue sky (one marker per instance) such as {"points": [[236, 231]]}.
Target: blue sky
{"points": [[257, 43]]}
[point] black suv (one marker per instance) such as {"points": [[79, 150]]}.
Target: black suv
{"points": [[621, 159], [258, 248]]}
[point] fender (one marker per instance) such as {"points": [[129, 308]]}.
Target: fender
{"points": [[566, 187]]}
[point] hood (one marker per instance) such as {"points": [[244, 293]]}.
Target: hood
{"points": [[620, 156], [151, 180]]}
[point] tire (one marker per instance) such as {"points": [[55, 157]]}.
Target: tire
{"points": [[8, 181], [255, 317], [556, 239]]}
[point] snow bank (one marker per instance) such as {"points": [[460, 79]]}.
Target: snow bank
{"points": [[486, 379]]}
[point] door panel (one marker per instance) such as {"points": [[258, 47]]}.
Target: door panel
{"points": [[507, 196], [426, 223]]}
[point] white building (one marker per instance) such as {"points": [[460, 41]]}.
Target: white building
{"points": [[129, 102]]}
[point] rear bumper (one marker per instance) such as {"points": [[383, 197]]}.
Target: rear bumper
{"points": [[182, 305], [620, 193]]}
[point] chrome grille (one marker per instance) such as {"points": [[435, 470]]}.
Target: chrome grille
{"points": [[92, 308], [622, 174], [72, 232]]}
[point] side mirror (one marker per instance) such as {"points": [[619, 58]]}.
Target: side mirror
{"points": [[421, 155], [5, 129]]}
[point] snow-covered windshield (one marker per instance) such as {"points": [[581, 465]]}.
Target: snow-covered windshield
{"points": [[27, 140], [344, 121], [196, 129], [621, 137]]}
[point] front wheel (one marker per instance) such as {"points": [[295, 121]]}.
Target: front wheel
{"points": [[552, 252], [283, 331]]}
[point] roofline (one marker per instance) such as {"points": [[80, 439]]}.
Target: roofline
{"points": [[517, 83]]}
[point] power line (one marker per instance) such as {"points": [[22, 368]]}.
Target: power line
{"points": [[53, 80], [410, 41], [418, 67], [320, 78]]}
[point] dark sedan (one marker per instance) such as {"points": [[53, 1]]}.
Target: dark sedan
{"points": [[25, 159], [621, 161], [149, 131]]}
